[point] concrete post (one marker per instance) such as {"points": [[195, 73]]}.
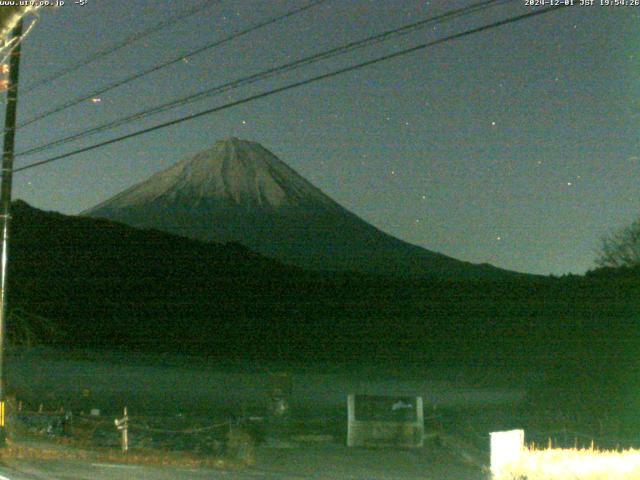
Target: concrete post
{"points": [[506, 448]]}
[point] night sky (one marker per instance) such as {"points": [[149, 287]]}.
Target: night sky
{"points": [[518, 146]]}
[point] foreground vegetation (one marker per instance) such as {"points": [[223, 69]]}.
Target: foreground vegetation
{"points": [[577, 464]]}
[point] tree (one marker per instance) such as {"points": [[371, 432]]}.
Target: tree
{"points": [[28, 329], [621, 248]]}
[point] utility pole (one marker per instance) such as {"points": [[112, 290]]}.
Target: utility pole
{"points": [[5, 207]]}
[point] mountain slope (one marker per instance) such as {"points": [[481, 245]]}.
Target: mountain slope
{"points": [[102, 283], [239, 191], [105, 283]]}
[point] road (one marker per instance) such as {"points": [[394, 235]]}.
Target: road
{"points": [[68, 470], [73, 470], [317, 463]]}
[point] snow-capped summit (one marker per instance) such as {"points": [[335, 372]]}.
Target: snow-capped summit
{"points": [[234, 172], [239, 191]]}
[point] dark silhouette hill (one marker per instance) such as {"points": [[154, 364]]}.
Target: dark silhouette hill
{"points": [[106, 284]]}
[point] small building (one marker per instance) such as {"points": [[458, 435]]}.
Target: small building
{"points": [[385, 421]]}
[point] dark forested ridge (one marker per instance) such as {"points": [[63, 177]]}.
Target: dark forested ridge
{"points": [[109, 285]]}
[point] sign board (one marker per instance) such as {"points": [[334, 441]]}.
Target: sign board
{"points": [[506, 448], [377, 420]]}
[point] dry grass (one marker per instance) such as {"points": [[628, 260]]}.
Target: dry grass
{"points": [[67, 451], [23, 444], [574, 464]]}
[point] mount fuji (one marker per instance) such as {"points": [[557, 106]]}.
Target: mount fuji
{"points": [[238, 191]]}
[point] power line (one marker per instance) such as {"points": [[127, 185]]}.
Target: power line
{"points": [[291, 86], [209, 92], [174, 60], [118, 46]]}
